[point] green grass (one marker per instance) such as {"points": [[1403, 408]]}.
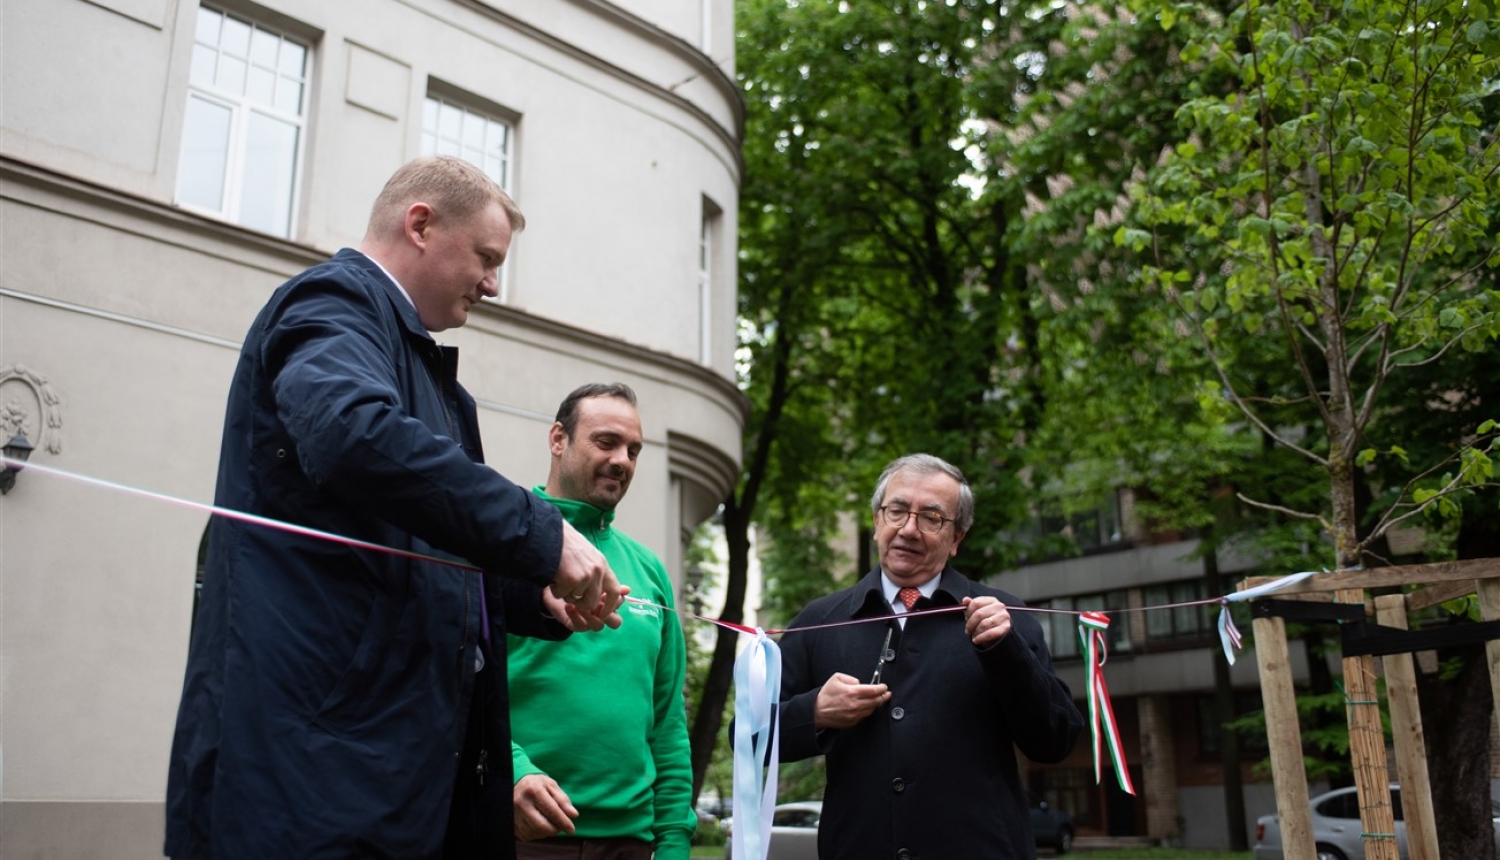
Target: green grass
{"points": [[701, 852], [717, 853], [1158, 854]]}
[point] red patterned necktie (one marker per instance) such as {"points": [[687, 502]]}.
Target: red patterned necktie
{"points": [[908, 597]]}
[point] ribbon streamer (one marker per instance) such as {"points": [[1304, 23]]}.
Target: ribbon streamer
{"points": [[1229, 635], [757, 724], [1091, 627]]}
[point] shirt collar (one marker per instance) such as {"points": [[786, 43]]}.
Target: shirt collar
{"points": [[869, 597], [387, 273], [890, 590]]}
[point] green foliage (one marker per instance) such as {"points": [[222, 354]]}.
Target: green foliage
{"points": [[868, 280], [1237, 257], [802, 780], [1336, 206], [1325, 736]]}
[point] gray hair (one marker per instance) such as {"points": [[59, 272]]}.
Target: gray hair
{"points": [[927, 464]]}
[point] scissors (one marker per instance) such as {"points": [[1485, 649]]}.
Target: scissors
{"points": [[884, 651]]}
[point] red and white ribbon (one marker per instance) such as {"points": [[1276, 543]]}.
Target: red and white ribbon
{"points": [[1102, 726]]}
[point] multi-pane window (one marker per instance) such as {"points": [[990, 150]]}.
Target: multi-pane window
{"points": [[1090, 529], [1179, 622], [707, 232], [1061, 628], [246, 114], [483, 141]]}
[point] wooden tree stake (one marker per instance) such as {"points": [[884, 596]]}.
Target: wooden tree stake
{"points": [[1367, 748], [1410, 743], [1285, 738]]}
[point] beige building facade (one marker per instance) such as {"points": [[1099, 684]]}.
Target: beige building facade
{"points": [[165, 164]]}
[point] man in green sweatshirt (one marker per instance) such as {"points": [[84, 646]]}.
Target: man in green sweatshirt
{"points": [[600, 746]]}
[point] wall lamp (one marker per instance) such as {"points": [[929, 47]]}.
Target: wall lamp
{"points": [[17, 451]]}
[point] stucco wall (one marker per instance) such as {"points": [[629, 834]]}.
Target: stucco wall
{"points": [[121, 314]]}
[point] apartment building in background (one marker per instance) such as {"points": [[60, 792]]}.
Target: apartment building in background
{"points": [[1161, 677], [1160, 674], [166, 164]]}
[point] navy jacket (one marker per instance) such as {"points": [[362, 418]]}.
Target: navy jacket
{"points": [[328, 687], [932, 774]]}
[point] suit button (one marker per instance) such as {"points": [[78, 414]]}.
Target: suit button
{"points": [[898, 785], [898, 713]]}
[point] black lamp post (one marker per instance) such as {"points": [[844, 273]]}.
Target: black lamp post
{"points": [[17, 451]]}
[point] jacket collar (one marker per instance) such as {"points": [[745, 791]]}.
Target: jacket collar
{"points": [[410, 319], [867, 598], [583, 516]]}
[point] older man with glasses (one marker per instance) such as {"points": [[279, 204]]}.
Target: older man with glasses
{"points": [[921, 761]]}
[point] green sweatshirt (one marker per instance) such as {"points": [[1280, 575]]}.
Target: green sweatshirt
{"points": [[602, 713]]}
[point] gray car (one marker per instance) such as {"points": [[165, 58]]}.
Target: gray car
{"points": [[794, 831], [1336, 827]]}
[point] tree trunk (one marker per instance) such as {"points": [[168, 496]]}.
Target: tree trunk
{"points": [[738, 511], [1224, 714], [1458, 753], [1366, 732], [708, 718]]}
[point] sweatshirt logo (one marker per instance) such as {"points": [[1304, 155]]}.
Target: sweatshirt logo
{"points": [[640, 609]]}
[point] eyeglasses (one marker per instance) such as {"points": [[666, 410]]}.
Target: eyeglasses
{"points": [[928, 522]]}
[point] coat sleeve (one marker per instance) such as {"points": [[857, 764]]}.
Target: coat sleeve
{"points": [[337, 355], [1040, 712], [800, 738], [518, 608]]}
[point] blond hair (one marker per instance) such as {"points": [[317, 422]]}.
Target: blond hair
{"points": [[454, 188]]}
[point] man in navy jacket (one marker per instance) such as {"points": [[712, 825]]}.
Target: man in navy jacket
{"points": [[922, 764], [340, 701]]}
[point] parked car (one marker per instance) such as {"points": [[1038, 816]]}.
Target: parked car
{"points": [[1052, 827], [707, 820], [1336, 827], [794, 831]]}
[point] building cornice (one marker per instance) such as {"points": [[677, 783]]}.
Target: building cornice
{"points": [[724, 391], [707, 69], [120, 209], [35, 185]]}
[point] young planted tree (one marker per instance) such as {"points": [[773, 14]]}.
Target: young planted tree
{"points": [[1336, 208]]}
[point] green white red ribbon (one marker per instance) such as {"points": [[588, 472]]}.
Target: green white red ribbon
{"points": [[1102, 726]]}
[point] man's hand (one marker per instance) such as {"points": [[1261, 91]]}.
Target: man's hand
{"points": [[541, 808], [585, 582], [986, 621], [844, 701]]}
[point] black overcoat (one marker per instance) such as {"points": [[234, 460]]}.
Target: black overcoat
{"points": [[932, 774]]}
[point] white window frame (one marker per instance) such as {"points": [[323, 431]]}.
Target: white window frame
{"points": [[240, 106], [708, 235], [439, 96]]}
